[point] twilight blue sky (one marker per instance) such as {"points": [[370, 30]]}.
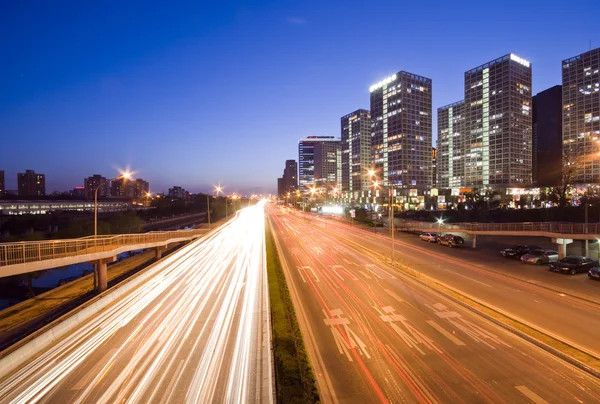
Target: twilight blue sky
{"points": [[196, 93]]}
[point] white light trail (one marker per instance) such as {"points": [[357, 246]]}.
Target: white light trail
{"points": [[193, 332]]}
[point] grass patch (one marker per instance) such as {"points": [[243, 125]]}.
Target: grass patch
{"points": [[295, 380]]}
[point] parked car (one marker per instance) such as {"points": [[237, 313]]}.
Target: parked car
{"points": [[450, 240], [540, 257], [573, 264], [594, 273], [517, 251], [430, 237]]}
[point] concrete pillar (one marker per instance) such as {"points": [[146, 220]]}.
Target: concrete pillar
{"points": [[562, 246], [101, 273], [474, 242], [158, 251]]}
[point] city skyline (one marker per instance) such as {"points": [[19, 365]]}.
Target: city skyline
{"points": [[150, 98]]}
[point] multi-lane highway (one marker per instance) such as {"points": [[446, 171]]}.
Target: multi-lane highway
{"points": [[375, 335], [572, 319], [195, 331]]}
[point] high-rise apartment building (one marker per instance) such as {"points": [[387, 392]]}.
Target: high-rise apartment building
{"points": [[485, 140], [356, 152], [547, 137], [433, 167], [123, 188], [2, 184], [94, 182], [581, 114], [328, 166], [306, 159], [141, 188], [289, 181], [450, 159], [401, 132], [177, 192], [30, 184], [498, 123]]}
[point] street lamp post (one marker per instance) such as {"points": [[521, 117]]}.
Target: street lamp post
{"points": [[390, 210], [219, 190], [126, 175], [208, 208]]}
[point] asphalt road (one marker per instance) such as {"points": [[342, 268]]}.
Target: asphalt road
{"points": [[375, 335], [483, 277], [197, 331]]}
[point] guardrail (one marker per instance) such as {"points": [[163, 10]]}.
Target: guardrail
{"points": [[557, 228], [32, 251]]}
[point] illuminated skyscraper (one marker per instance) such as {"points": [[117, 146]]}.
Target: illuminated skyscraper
{"points": [[581, 114], [450, 158], [356, 152], [401, 132], [498, 124], [306, 159]]}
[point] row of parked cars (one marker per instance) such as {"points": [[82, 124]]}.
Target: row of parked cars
{"points": [[571, 264], [447, 239]]}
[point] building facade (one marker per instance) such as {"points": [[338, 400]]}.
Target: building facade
{"points": [[581, 114], [433, 167], [547, 137], [498, 124], [2, 184], [289, 181], [94, 182], [328, 166], [141, 188], [177, 192], [401, 132], [306, 160], [356, 153], [31, 185], [450, 158]]}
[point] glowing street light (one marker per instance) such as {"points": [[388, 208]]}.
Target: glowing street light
{"points": [[126, 175]]}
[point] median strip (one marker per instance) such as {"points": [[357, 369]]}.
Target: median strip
{"points": [[295, 380]]}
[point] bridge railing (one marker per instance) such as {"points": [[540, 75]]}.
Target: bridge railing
{"points": [[558, 228], [31, 251]]}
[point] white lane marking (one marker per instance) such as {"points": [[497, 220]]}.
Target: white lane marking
{"points": [[469, 278], [384, 271], [314, 273], [411, 337], [366, 275], [472, 330], [395, 296], [348, 262], [531, 395], [345, 342], [368, 266], [333, 267], [445, 333], [300, 272], [93, 372], [169, 391], [561, 294]]}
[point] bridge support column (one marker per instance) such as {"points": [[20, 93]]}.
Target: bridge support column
{"points": [[158, 251], [101, 274], [562, 246], [474, 242]]}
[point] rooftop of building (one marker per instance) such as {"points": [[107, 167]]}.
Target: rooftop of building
{"points": [[577, 57], [454, 104], [509, 56], [357, 112], [394, 76]]}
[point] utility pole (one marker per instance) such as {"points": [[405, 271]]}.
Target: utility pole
{"points": [[392, 224], [586, 230]]}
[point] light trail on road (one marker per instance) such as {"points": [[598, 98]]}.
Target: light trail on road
{"points": [[192, 332], [379, 336]]}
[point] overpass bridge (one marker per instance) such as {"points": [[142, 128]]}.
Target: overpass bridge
{"points": [[30, 256], [561, 233]]}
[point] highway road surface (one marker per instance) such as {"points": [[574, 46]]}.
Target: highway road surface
{"points": [[574, 320], [375, 335], [196, 332]]}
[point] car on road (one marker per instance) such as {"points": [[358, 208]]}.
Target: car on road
{"points": [[573, 264], [539, 257], [594, 273], [451, 240], [430, 237], [517, 251]]}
